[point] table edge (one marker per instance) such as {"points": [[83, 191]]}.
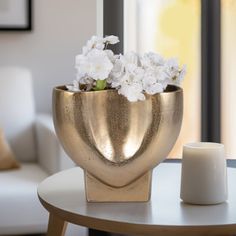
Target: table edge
{"points": [[138, 229]]}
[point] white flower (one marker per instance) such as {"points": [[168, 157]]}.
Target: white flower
{"points": [[151, 59], [116, 73], [165, 71], [74, 87], [133, 91], [172, 68], [99, 64], [129, 83], [94, 42], [154, 88], [178, 78], [151, 84], [111, 39], [123, 64], [132, 75], [161, 73], [95, 65], [157, 67]]}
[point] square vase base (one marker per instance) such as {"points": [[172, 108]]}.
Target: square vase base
{"points": [[137, 191]]}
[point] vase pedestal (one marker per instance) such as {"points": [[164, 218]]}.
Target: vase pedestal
{"points": [[137, 191]]}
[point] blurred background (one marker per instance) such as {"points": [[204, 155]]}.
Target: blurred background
{"points": [[59, 30], [170, 27], [174, 28], [200, 33]]}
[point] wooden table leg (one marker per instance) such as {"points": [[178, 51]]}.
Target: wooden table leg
{"points": [[56, 226]]}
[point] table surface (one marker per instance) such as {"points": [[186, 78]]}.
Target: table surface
{"points": [[63, 194]]}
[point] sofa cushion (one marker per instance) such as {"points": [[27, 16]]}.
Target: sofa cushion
{"points": [[18, 111], [21, 211], [7, 160]]}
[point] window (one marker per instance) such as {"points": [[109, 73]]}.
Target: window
{"points": [[228, 106], [171, 28], [200, 33]]}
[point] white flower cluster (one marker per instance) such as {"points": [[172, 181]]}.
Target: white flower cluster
{"points": [[132, 75]]}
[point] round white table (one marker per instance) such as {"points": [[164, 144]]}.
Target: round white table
{"points": [[63, 196]]}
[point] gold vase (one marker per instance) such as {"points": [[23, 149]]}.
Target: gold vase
{"points": [[115, 141]]}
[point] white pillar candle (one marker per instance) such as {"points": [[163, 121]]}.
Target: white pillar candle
{"points": [[204, 173]]}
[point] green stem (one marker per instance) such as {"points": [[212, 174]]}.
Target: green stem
{"points": [[100, 85]]}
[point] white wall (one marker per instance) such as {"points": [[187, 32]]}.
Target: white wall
{"points": [[60, 29]]}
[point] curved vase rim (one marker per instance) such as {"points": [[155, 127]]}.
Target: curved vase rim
{"points": [[63, 88]]}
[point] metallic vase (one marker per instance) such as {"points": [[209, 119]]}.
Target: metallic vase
{"points": [[115, 141]]}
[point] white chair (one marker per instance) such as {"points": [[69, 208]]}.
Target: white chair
{"points": [[35, 145]]}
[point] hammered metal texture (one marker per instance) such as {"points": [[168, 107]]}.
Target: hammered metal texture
{"points": [[115, 140]]}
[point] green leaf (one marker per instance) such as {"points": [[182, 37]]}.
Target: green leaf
{"points": [[100, 85]]}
